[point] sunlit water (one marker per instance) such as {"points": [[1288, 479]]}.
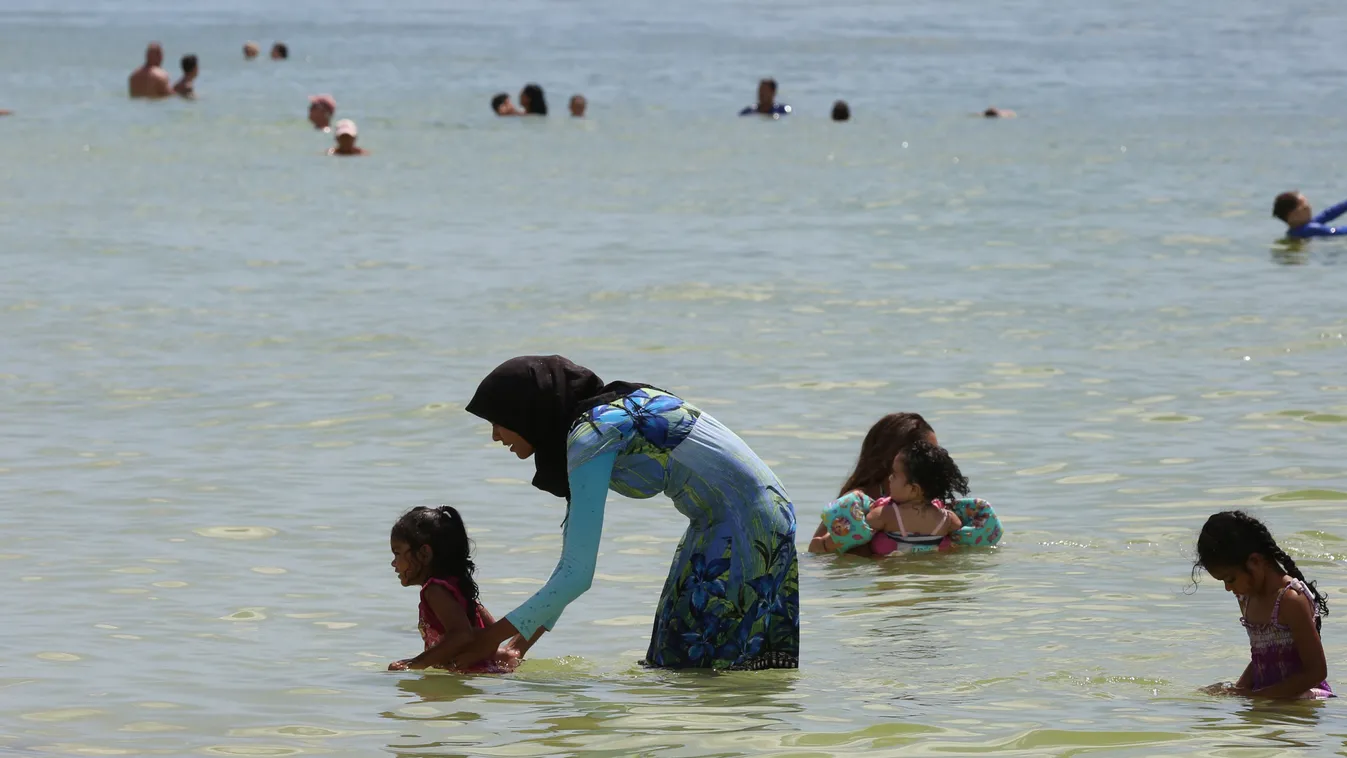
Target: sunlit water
{"points": [[228, 363]]}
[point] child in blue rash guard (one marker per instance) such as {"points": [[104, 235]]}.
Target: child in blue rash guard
{"points": [[1301, 223]]}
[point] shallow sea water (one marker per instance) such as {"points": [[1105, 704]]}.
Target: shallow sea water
{"points": [[229, 363]]}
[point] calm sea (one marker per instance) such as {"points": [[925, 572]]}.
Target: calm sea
{"points": [[227, 363]]}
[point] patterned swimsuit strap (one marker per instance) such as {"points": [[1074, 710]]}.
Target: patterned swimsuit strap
{"points": [[1291, 584]]}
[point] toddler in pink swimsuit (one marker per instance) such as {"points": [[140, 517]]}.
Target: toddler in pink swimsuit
{"points": [[430, 548]]}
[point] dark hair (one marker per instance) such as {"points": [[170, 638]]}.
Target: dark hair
{"points": [[770, 82], [1285, 203], [537, 103], [188, 64], [498, 101], [451, 552], [885, 440], [841, 111], [1230, 537], [280, 47], [930, 468]]}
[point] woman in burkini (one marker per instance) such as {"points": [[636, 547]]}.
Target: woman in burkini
{"points": [[870, 481], [1279, 609], [731, 600]]}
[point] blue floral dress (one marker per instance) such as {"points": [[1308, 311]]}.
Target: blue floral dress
{"points": [[732, 599]]}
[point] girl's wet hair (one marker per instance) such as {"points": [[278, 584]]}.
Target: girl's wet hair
{"points": [[451, 552], [930, 468], [498, 101], [885, 440], [1230, 537], [537, 103]]}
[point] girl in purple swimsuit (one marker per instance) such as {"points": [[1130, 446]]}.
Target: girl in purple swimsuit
{"points": [[1280, 610]]}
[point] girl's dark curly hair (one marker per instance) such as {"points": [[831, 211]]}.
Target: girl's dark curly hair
{"points": [[930, 468], [885, 440], [451, 552], [1230, 537]]}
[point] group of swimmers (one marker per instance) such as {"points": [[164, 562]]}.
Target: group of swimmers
{"points": [[151, 82], [532, 102]]}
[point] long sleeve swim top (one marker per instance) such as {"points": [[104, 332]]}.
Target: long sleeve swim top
{"points": [[579, 548], [1318, 226]]}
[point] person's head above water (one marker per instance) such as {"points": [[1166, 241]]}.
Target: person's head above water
{"points": [[249, 50], [923, 472], [432, 543], [345, 134], [189, 65], [154, 54], [532, 401], [279, 51], [766, 93], [994, 112], [321, 110], [1238, 549], [841, 111], [578, 104], [886, 439], [532, 100], [501, 105], [1293, 208]]}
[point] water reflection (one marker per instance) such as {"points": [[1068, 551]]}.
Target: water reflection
{"points": [[1291, 252], [1282, 723], [649, 711], [434, 687]]}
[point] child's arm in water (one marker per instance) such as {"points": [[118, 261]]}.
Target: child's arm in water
{"points": [[457, 630], [821, 542], [1245, 684], [1297, 613]]}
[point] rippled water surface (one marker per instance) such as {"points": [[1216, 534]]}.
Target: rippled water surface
{"points": [[228, 363]]}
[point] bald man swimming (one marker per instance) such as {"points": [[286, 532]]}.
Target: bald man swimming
{"points": [[151, 81]]}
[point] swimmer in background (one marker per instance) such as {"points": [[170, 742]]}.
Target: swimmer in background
{"points": [[184, 86], [532, 101], [279, 52], [501, 105], [346, 134], [321, 110], [767, 104], [1301, 223], [994, 112], [841, 111], [578, 105], [150, 81], [249, 51]]}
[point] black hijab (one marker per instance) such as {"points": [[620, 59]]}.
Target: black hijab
{"points": [[539, 397]]}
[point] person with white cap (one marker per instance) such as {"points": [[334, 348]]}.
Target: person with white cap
{"points": [[321, 110], [345, 132]]}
